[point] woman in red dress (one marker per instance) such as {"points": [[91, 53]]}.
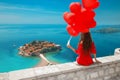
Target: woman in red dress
{"points": [[85, 48]]}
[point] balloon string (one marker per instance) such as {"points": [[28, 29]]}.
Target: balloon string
{"points": [[69, 40]]}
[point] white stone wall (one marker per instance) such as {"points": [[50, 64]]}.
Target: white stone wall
{"points": [[109, 69]]}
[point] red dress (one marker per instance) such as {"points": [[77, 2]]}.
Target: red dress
{"points": [[85, 58]]}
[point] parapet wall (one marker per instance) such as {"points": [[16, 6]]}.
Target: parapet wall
{"points": [[109, 69]]}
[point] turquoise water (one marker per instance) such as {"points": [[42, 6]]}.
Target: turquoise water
{"points": [[13, 36]]}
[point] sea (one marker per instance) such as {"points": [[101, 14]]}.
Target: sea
{"points": [[12, 36]]}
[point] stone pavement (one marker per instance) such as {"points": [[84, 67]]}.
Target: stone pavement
{"points": [[115, 78]]}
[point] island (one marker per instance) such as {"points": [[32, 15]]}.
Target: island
{"points": [[35, 48], [108, 30]]}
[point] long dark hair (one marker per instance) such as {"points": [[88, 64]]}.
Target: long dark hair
{"points": [[87, 41]]}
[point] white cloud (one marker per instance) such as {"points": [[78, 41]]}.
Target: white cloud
{"points": [[16, 8], [4, 6], [18, 14]]}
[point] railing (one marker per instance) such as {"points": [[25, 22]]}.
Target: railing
{"points": [[108, 69]]}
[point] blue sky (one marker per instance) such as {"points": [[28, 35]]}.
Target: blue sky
{"points": [[51, 11]]}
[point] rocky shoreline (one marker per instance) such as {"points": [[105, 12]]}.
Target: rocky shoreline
{"points": [[35, 48]]}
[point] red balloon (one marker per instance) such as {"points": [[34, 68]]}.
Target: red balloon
{"points": [[78, 18], [81, 19], [71, 31], [85, 30], [76, 27], [90, 23], [75, 7], [93, 24], [69, 17], [90, 4], [80, 28], [88, 14], [97, 4]]}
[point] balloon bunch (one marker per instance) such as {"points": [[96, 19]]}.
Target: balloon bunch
{"points": [[81, 17]]}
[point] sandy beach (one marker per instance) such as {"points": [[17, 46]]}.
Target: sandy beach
{"points": [[44, 62]]}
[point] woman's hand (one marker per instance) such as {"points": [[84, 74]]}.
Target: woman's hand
{"points": [[97, 61], [69, 46]]}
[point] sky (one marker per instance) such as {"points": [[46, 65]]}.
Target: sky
{"points": [[51, 11]]}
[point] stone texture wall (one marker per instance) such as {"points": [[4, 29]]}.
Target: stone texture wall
{"points": [[109, 69]]}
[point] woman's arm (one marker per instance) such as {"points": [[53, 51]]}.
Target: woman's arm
{"points": [[96, 59], [93, 51], [69, 46]]}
